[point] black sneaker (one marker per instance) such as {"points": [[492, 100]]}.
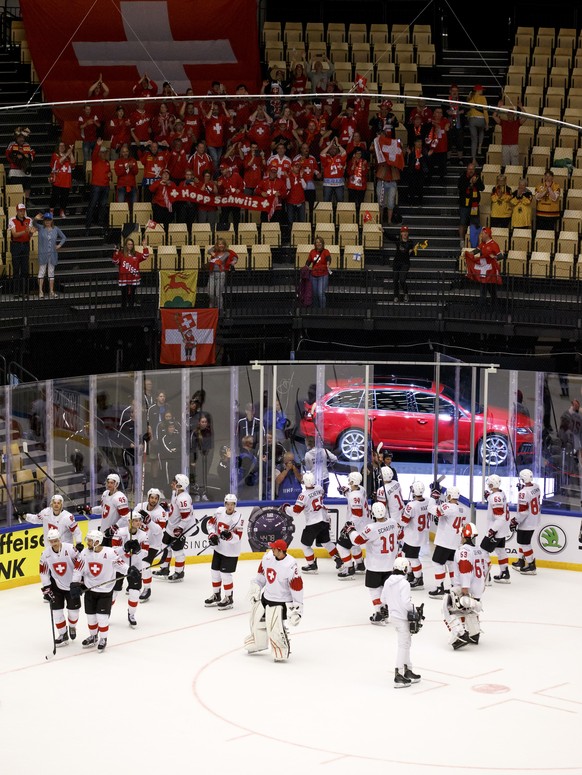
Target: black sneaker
{"points": [[378, 619], [360, 567], [163, 573], [225, 603], [503, 577], [101, 645], [400, 681], [412, 677], [213, 600], [311, 568], [529, 569], [89, 642], [438, 592], [63, 640], [338, 561], [175, 577], [518, 564], [72, 632], [347, 573], [145, 595], [417, 583]]}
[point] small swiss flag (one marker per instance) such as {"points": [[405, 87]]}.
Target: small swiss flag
{"points": [[367, 217]]}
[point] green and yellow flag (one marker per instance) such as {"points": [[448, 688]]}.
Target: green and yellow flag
{"points": [[178, 289]]}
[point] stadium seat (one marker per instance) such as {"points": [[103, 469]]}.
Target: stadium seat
{"points": [[177, 234], [348, 234], [323, 212], [345, 213], [539, 265], [563, 265], [261, 256], [516, 263], [301, 234], [191, 257], [353, 256], [248, 234], [521, 240], [167, 257], [242, 252], [270, 234], [156, 236], [372, 236], [201, 234], [369, 213]]}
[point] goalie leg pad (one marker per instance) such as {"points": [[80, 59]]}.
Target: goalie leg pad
{"points": [[277, 633], [472, 624], [258, 639]]}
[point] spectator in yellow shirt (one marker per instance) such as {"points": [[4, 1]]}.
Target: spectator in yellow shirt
{"points": [[477, 119], [522, 205], [547, 202], [501, 203]]}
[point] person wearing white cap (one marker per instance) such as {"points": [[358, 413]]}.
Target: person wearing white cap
{"points": [[21, 230], [50, 240]]}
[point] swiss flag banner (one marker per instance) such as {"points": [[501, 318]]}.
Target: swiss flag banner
{"points": [[189, 43], [188, 337]]}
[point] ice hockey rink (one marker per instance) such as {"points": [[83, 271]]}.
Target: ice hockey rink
{"points": [[180, 694]]}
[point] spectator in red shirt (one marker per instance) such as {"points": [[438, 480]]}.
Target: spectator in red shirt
{"points": [[99, 89], [275, 190], [88, 123], [438, 144], [356, 142], [309, 172], [295, 194], [510, 124], [286, 130], [253, 168], [345, 124], [162, 125], [200, 161], [178, 161], [187, 210], [126, 169], [280, 161], [230, 159], [145, 87], [318, 262], [61, 177], [20, 157], [260, 129], [21, 230], [357, 177], [154, 160], [333, 164], [207, 213], [119, 128], [421, 110], [140, 121], [99, 191], [241, 110], [216, 121], [128, 261], [162, 207], [220, 260], [190, 115], [229, 184]]}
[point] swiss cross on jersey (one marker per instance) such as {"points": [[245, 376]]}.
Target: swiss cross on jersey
{"points": [[60, 568], [271, 575], [51, 526], [95, 568]]}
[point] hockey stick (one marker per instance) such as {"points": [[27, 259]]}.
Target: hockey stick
{"points": [[166, 549], [54, 651], [15, 511], [40, 468]]}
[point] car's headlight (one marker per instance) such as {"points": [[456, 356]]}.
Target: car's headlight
{"points": [[524, 431]]}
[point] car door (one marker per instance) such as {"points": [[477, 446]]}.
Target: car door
{"points": [[392, 418]]}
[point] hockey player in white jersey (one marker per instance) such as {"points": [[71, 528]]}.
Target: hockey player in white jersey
{"points": [[225, 532], [390, 494], [462, 603], [153, 521], [415, 533], [114, 505], [56, 517], [276, 596], [499, 528], [310, 504], [132, 545], [181, 519], [358, 515], [450, 518], [381, 541], [405, 617], [527, 521], [57, 564], [96, 572], [318, 461]]}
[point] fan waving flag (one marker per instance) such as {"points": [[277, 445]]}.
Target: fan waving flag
{"points": [[188, 337], [178, 289]]}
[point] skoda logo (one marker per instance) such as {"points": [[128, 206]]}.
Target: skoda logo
{"points": [[552, 539]]}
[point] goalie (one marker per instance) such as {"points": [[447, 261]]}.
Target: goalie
{"points": [[276, 596], [462, 603]]}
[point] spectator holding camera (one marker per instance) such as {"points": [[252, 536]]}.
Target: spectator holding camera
{"points": [[469, 186]]}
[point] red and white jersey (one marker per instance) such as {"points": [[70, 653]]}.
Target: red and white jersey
{"points": [[528, 507], [452, 518], [310, 503], [381, 540], [280, 579], [391, 496], [498, 517], [471, 569], [416, 522], [358, 508], [281, 163], [113, 507], [58, 566], [180, 517], [154, 533], [118, 542], [229, 547], [158, 514], [93, 568], [63, 522]]}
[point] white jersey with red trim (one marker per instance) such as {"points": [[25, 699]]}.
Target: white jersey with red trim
{"points": [[391, 496], [528, 507], [158, 515], [114, 506], [310, 503], [154, 534], [498, 517], [64, 522], [280, 580], [58, 566], [358, 508], [452, 518], [416, 522], [234, 523], [180, 516], [471, 569], [94, 568], [381, 542], [122, 536]]}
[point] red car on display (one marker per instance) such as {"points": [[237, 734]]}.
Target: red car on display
{"points": [[402, 417]]}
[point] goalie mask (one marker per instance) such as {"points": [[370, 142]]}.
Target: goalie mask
{"points": [[469, 531]]}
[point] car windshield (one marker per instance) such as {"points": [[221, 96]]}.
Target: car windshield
{"points": [[463, 402]]}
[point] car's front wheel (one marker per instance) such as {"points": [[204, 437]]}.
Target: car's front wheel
{"points": [[496, 452], [351, 445]]}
